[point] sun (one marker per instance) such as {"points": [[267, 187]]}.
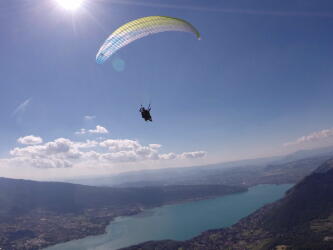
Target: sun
{"points": [[70, 4]]}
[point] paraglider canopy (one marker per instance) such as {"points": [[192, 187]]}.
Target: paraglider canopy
{"points": [[139, 28]]}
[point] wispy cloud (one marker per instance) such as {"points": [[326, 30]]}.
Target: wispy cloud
{"points": [[89, 117], [98, 130], [313, 137], [22, 107]]}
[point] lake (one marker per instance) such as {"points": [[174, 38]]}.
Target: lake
{"points": [[180, 221]]}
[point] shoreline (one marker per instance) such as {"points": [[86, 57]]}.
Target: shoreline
{"points": [[142, 210], [83, 243]]}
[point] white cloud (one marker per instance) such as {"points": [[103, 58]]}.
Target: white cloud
{"points": [[193, 155], [87, 144], [22, 107], [118, 145], [30, 140], [121, 156], [65, 153], [98, 130], [313, 137], [59, 148], [169, 156], [89, 117], [131, 149], [156, 146]]}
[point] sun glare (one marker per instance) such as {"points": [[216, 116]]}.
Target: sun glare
{"points": [[70, 4]]}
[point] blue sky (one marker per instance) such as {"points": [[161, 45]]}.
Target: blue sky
{"points": [[260, 77]]}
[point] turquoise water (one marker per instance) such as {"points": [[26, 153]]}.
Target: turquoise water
{"points": [[178, 222]]}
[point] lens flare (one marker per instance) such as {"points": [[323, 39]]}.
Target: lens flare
{"points": [[118, 64]]}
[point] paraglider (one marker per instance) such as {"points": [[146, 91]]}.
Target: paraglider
{"points": [[145, 113], [137, 29], [140, 28]]}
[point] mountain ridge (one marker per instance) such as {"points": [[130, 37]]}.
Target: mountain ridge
{"points": [[303, 219]]}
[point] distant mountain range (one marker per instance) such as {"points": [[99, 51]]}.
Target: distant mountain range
{"points": [[307, 153], [285, 169], [247, 175], [303, 219]]}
